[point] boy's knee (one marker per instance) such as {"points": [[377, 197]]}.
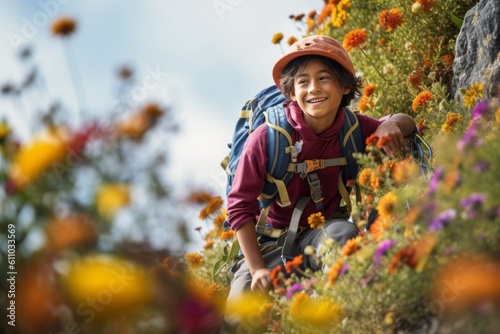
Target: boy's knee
{"points": [[341, 230]]}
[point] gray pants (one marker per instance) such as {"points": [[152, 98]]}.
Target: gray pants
{"points": [[339, 230]]}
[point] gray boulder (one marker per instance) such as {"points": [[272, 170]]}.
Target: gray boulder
{"points": [[477, 50]]}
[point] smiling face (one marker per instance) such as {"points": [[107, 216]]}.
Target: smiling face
{"points": [[318, 93]]}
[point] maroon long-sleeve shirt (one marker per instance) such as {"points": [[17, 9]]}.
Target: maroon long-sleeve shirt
{"points": [[248, 182]]}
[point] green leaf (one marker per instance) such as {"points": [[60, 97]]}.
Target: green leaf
{"points": [[218, 266], [458, 21]]}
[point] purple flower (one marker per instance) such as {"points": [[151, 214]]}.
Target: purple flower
{"points": [[469, 138], [480, 109], [440, 221], [296, 287], [384, 247], [344, 269], [433, 184], [481, 166], [472, 201]]}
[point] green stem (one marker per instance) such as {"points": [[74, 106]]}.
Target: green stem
{"points": [[373, 65]]}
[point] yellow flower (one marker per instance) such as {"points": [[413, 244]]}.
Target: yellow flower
{"points": [[36, 157], [497, 115], [111, 197], [316, 220], [246, 306], [472, 95], [387, 204], [277, 38], [339, 14], [451, 119], [315, 312], [117, 286], [194, 260]]}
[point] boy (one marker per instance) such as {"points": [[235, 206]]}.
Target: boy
{"points": [[318, 79]]}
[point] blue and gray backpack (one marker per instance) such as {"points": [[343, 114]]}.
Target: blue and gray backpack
{"points": [[267, 107]]}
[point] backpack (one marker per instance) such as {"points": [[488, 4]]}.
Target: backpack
{"points": [[267, 107]]}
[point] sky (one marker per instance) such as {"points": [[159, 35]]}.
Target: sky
{"points": [[202, 58]]}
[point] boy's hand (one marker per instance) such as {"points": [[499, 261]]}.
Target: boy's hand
{"points": [[390, 128], [261, 280]]}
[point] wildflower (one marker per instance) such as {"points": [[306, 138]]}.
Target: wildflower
{"points": [[422, 99], [473, 94], [334, 272], [339, 14], [316, 220], [451, 119], [371, 140], [292, 40], [314, 312], [69, 231], [110, 198], [296, 287], [391, 19], [351, 246], [425, 5], [404, 171], [379, 226], [194, 260], [247, 306], [199, 197], [387, 204], [470, 137], [375, 181], [415, 80], [275, 276], [37, 156], [125, 73], [442, 219], [277, 38], [227, 235], [475, 281], [382, 141], [299, 17], [447, 59], [365, 176], [354, 38], [294, 264], [401, 257], [497, 115], [325, 13], [481, 166], [369, 89], [423, 249], [471, 203], [480, 109], [64, 26], [381, 250], [364, 103], [220, 219], [136, 126], [434, 182], [209, 244], [214, 205], [310, 24]]}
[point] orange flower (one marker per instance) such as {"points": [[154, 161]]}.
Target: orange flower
{"points": [[325, 13], [70, 231], [316, 220], [466, 282], [382, 141], [425, 4], [422, 99], [227, 235], [364, 103], [209, 244], [277, 38], [404, 256], [275, 276], [369, 89], [379, 226], [64, 26], [364, 177], [351, 246], [391, 19], [447, 59], [219, 220], [294, 264], [354, 39], [451, 119], [371, 140], [375, 181], [312, 14], [292, 40], [199, 197], [135, 126], [404, 171], [194, 260], [299, 17], [415, 80], [333, 274]]}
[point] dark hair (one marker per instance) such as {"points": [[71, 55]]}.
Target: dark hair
{"points": [[344, 77]]}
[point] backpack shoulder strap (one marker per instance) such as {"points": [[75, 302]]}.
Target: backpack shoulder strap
{"points": [[279, 144], [351, 141]]}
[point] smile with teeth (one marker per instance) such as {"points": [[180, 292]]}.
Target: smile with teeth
{"points": [[317, 100]]}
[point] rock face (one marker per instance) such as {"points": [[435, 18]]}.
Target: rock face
{"points": [[477, 50]]}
